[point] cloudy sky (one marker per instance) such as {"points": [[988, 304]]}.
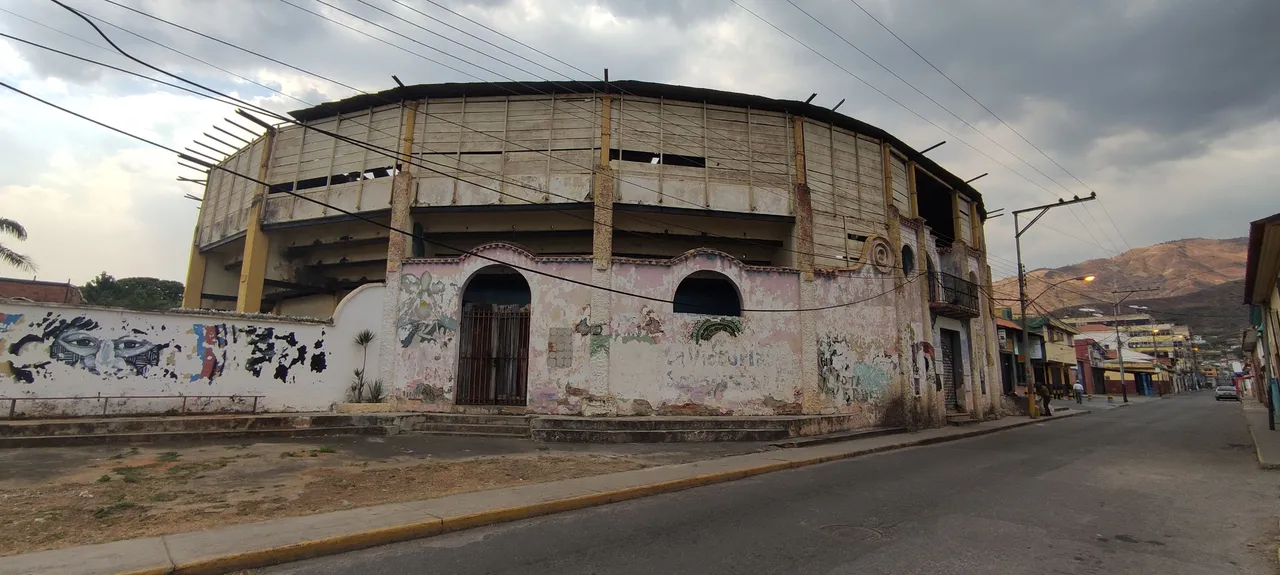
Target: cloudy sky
{"points": [[1169, 109]]}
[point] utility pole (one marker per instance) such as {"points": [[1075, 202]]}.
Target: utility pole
{"points": [[1022, 286], [1115, 317]]}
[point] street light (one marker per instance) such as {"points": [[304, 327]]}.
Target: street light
{"points": [[1018, 230]]}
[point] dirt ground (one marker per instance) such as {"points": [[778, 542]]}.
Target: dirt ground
{"points": [[77, 496]]}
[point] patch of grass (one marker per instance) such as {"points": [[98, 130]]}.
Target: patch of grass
{"points": [[327, 449], [240, 446], [184, 471], [112, 509], [285, 454], [104, 479], [168, 456], [131, 474], [161, 497], [132, 452]]}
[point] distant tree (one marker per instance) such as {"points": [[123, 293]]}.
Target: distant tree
{"points": [[15, 259], [132, 293]]}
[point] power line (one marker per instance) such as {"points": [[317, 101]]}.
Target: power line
{"points": [[904, 106], [993, 115], [418, 237]]}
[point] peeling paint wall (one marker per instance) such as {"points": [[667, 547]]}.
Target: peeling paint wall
{"points": [[50, 351], [859, 345], [669, 363]]}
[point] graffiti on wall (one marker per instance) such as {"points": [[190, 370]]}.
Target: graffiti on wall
{"points": [[82, 342], [421, 316], [122, 351], [707, 328], [845, 379], [7, 320]]}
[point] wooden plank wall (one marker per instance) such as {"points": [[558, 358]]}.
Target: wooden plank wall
{"points": [[517, 150], [225, 209], [846, 183], [746, 154]]}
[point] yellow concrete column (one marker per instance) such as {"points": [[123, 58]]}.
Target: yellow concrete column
{"points": [[195, 272], [402, 194], [253, 268], [601, 401], [602, 191], [911, 190], [397, 243]]}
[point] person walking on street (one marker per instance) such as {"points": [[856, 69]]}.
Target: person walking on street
{"points": [[1079, 389], [1043, 391]]}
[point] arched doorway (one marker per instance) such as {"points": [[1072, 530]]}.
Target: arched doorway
{"points": [[493, 335]]}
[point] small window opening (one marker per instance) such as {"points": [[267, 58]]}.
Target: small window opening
{"points": [[652, 158], [708, 293], [908, 261]]}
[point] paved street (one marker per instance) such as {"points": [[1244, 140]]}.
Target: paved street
{"points": [[1168, 486]]}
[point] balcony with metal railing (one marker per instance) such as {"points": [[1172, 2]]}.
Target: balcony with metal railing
{"points": [[953, 297]]}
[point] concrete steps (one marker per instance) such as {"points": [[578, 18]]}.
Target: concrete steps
{"points": [[658, 435], [97, 431], [961, 419], [467, 424], [152, 437], [839, 436], [671, 429]]}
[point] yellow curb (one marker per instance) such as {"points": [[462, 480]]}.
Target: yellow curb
{"points": [[307, 549], [152, 571], [386, 535]]}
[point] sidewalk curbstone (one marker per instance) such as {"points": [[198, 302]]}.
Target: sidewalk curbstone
{"points": [[190, 554]]}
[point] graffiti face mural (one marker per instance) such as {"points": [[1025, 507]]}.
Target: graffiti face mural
{"points": [[83, 343], [421, 315]]}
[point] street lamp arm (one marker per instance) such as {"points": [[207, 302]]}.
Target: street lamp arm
{"points": [[1056, 284]]}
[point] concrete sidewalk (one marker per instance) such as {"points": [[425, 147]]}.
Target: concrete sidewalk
{"points": [[1266, 443], [252, 545]]}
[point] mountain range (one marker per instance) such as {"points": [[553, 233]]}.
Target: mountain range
{"points": [[1198, 282]]}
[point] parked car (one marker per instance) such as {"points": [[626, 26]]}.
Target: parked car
{"points": [[1225, 392]]}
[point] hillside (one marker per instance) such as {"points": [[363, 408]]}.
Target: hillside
{"points": [[1199, 282]]}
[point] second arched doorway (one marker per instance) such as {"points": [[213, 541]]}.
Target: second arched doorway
{"points": [[493, 339]]}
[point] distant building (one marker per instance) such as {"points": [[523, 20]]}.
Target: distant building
{"points": [[40, 291]]}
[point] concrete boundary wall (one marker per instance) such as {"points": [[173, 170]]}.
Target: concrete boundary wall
{"points": [[60, 351]]}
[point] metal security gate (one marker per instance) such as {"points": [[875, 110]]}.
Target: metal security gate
{"points": [[493, 360], [951, 367]]}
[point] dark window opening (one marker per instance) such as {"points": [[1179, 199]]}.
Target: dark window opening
{"points": [[335, 179], [935, 204], [708, 293], [908, 261], [497, 285], [652, 158]]}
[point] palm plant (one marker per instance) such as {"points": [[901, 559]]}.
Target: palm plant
{"points": [[15, 259]]}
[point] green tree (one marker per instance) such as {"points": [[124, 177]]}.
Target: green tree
{"points": [[132, 293], [15, 259]]}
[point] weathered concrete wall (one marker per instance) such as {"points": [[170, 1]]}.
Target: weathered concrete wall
{"points": [[429, 307], [49, 351], [858, 345], [658, 361], [691, 364]]}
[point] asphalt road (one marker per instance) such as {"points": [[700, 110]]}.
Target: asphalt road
{"points": [[1168, 487]]}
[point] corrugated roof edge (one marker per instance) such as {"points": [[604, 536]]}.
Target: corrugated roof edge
{"points": [[642, 89]]}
